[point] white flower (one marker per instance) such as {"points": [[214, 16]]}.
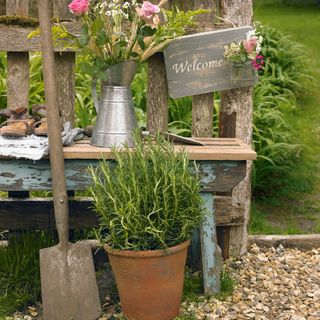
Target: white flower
{"points": [[250, 34], [126, 5]]}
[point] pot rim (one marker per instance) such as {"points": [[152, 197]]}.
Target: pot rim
{"points": [[147, 253]]}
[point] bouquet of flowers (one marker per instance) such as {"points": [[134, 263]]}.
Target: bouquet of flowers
{"points": [[117, 30], [246, 50]]}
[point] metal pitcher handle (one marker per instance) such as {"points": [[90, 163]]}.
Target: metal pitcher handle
{"points": [[94, 93]]}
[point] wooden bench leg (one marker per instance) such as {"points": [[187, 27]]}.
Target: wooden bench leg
{"points": [[211, 263]]}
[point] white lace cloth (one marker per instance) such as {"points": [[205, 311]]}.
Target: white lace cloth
{"points": [[35, 147]]}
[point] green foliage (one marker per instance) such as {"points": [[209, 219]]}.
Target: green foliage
{"points": [[112, 33], [259, 224], [147, 200], [301, 3], [176, 24], [286, 63], [283, 80], [227, 285], [192, 286], [20, 271], [3, 82]]}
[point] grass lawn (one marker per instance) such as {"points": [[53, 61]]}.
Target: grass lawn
{"points": [[295, 208]]}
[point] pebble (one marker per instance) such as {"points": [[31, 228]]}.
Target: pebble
{"points": [[277, 283], [272, 284]]}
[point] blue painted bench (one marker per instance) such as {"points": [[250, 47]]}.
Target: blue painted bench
{"points": [[222, 164]]}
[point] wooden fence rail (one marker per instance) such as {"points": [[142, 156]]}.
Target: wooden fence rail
{"points": [[235, 113]]}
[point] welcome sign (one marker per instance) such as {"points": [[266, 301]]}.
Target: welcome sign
{"points": [[195, 64]]}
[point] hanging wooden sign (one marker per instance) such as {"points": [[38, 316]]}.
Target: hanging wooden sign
{"points": [[195, 64]]}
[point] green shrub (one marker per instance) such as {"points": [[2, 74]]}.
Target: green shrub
{"points": [[286, 63], [148, 199], [284, 79]]}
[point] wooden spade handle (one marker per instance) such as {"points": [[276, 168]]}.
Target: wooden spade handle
{"points": [[60, 197]]}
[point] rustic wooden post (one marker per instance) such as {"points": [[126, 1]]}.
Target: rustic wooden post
{"points": [[17, 71], [65, 70], [2, 7], [202, 123], [202, 105], [17, 63], [157, 95], [236, 118]]}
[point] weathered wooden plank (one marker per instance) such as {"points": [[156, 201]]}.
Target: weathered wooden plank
{"points": [[61, 10], [202, 115], [19, 175], [65, 73], [17, 63], [18, 73], [214, 150], [17, 79], [200, 154], [221, 176], [227, 211], [17, 7], [38, 213], [301, 241], [65, 70], [210, 256], [195, 64], [23, 175], [227, 124], [15, 38], [157, 95], [2, 7]]}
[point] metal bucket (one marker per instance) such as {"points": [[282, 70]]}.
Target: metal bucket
{"points": [[116, 118]]}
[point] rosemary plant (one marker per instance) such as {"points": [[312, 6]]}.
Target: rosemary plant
{"points": [[148, 198]]}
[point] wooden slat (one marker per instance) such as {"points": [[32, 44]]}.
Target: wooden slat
{"points": [[17, 63], [65, 70], [17, 7], [24, 175], [297, 241], [157, 95], [213, 152], [15, 38], [37, 213], [227, 211], [65, 73], [211, 267]]}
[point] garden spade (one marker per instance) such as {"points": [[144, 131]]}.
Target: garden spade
{"points": [[68, 282]]}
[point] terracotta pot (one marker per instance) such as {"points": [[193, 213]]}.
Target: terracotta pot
{"points": [[150, 283]]}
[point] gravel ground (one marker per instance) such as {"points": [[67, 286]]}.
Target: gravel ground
{"points": [[275, 284]]}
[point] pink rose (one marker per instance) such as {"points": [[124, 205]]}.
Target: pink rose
{"points": [[147, 10], [149, 13], [250, 44], [79, 7]]}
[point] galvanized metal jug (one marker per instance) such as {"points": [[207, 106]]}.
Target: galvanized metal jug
{"points": [[116, 118]]}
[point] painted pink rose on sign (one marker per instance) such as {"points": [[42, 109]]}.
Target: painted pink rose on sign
{"points": [[79, 7]]}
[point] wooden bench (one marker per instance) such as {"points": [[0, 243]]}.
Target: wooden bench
{"points": [[222, 164]]}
